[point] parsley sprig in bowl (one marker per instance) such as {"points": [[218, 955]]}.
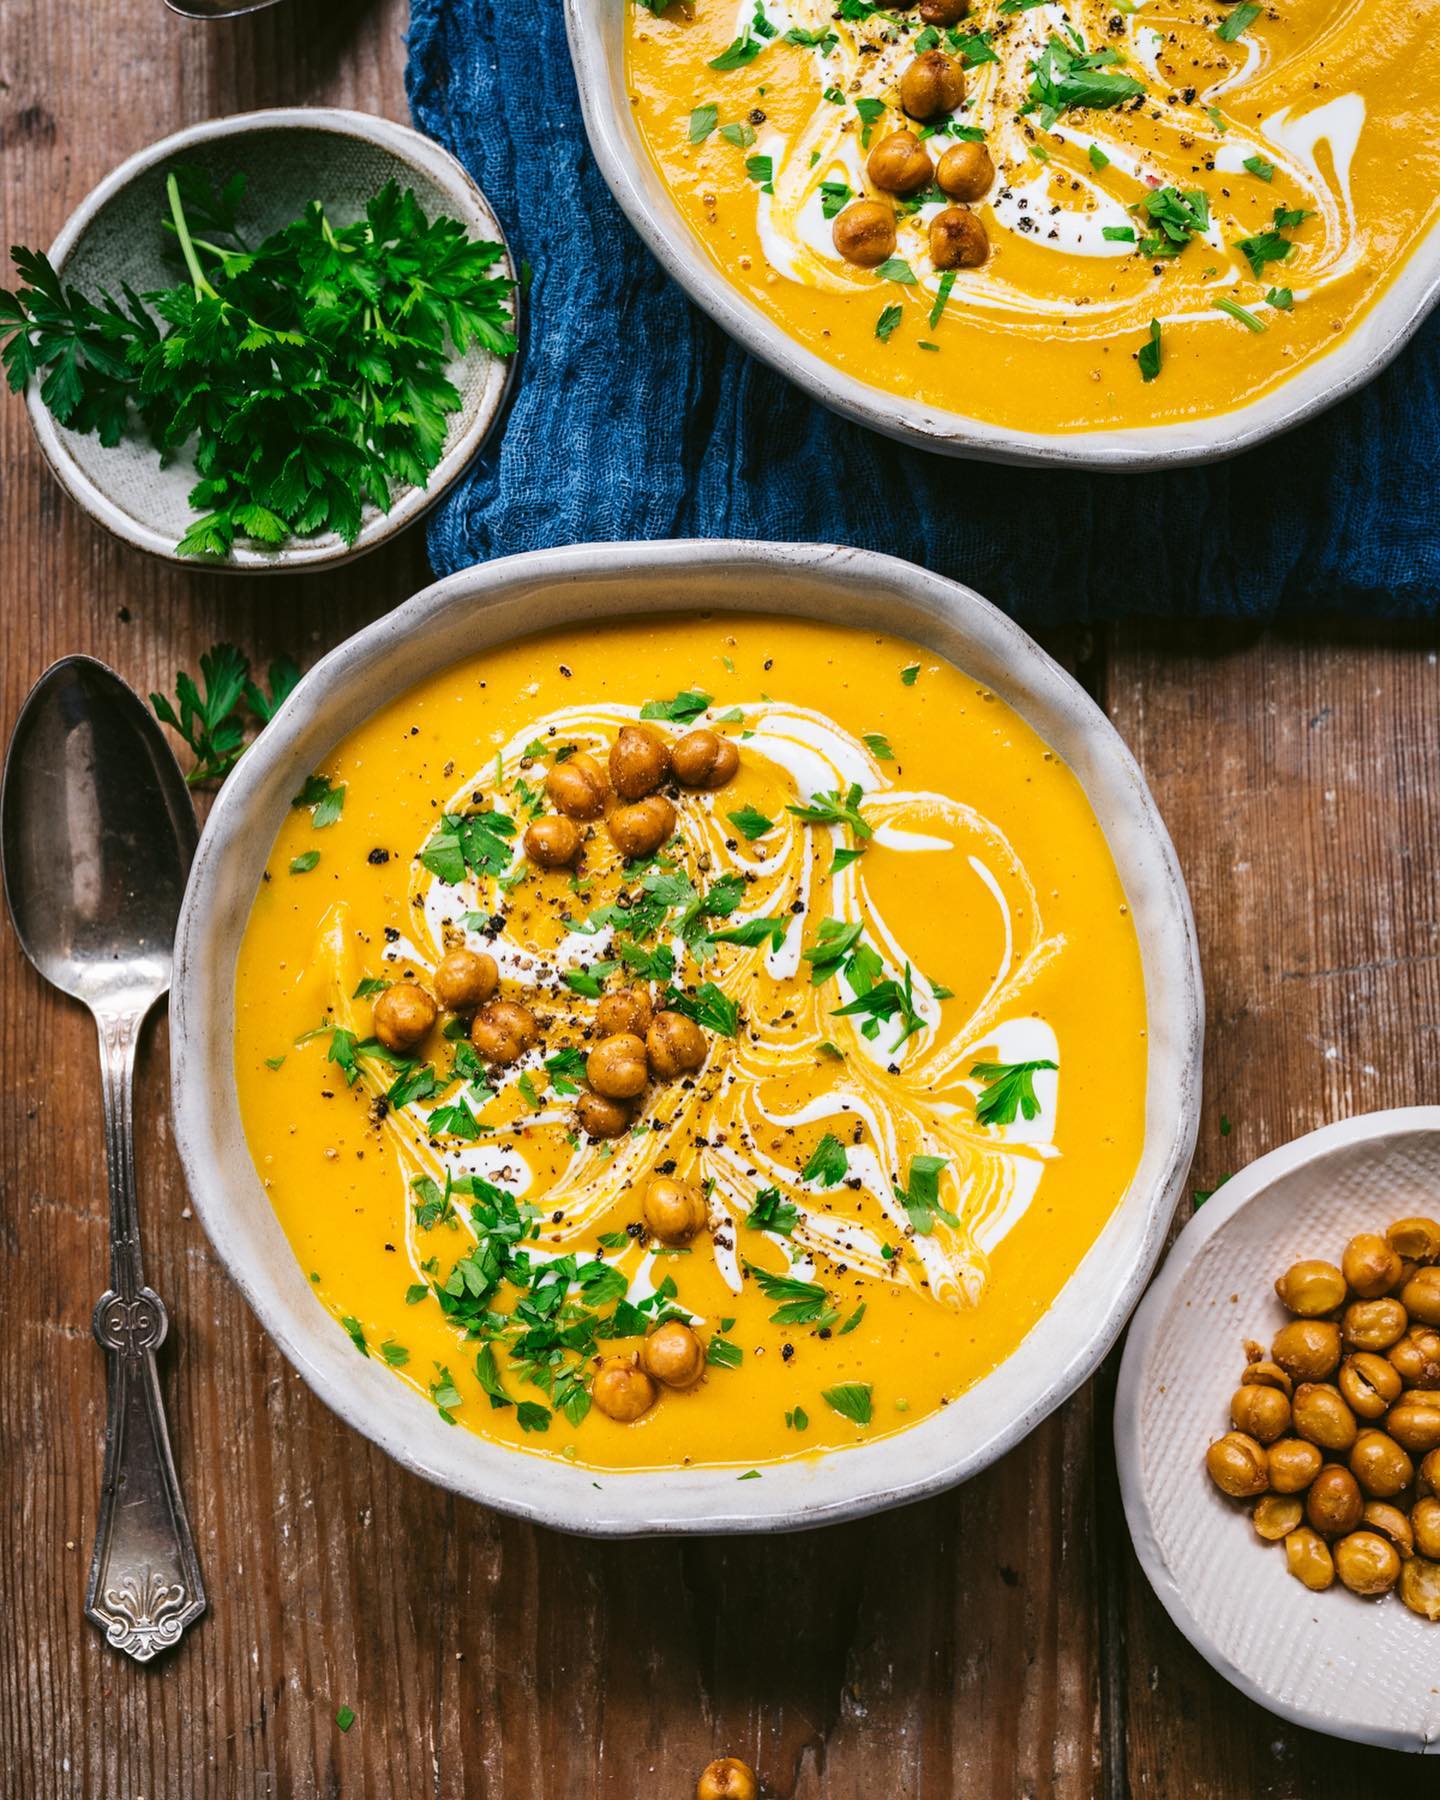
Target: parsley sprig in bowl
{"points": [[267, 342]]}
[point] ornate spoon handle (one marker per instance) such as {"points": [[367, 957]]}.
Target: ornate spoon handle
{"points": [[145, 1583]]}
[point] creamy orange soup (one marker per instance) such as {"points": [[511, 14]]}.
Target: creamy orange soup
{"points": [[898, 938], [1246, 178]]}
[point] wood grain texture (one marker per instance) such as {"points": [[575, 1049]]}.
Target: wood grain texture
{"points": [[995, 1643]]}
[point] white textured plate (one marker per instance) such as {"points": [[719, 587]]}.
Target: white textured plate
{"points": [[292, 155], [597, 49], [492, 604], [1362, 1669]]}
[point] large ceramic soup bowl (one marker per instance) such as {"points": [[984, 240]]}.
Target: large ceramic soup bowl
{"points": [[1150, 241], [875, 1327]]}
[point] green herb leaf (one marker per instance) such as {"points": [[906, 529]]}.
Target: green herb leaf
{"points": [[1238, 21], [305, 862], [885, 325], [1260, 167], [702, 122], [1149, 356], [1010, 1089], [683, 709], [852, 1400], [828, 1163], [772, 1213]]}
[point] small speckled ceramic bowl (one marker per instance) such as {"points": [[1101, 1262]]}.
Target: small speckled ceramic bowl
{"points": [[292, 155], [576, 588], [1362, 1669]]}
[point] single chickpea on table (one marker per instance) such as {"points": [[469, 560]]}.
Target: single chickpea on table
{"points": [[1336, 1434]]}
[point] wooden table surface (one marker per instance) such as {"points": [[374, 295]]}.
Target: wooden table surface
{"points": [[997, 1642]]}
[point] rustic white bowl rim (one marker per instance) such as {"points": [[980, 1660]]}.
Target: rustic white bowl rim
{"points": [[596, 32], [468, 204], [512, 597], [1250, 1184]]}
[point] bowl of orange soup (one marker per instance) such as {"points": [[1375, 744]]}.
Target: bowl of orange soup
{"points": [[1112, 236], [688, 1036]]}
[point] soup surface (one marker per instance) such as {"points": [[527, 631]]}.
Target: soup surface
{"points": [[895, 934], [1248, 178]]}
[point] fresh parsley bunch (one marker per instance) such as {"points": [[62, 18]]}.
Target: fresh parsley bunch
{"points": [[310, 371]]}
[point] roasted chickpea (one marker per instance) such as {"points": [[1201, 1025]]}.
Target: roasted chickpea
{"points": [[465, 979], [1320, 1414], [957, 239], [674, 1210], [1263, 1373], [1425, 1524], [617, 1068], [552, 843], [1421, 1295], [1369, 1384], [864, 233], [622, 1390], [727, 1778], [1430, 1472], [675, 1045], [900, 164], [1420, 1587], [642, 828], [1417, 1240], [1276, 1516], [1334, 1503], [1373, 1324], [577, 787], [1311, 1289], [933, 84], [1416, 1427], [403, 1015], [1367, 1563], [626, 1009], [704, 759], [1308, 1558], [1371, 1267], [673, 1355], [602, 1118], [1416, 1358], [965, 172], [1391, 1523], [1238, 1465], [503, 1030], [1308, 1349], [1261, 1412], [1294, 1464], [1380, 1466], [943, 12], [639, 762]]}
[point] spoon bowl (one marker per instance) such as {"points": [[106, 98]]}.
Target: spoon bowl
{"points": [[98, 835]]}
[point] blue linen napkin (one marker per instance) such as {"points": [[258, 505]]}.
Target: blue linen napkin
{"points": [[635, 417]]}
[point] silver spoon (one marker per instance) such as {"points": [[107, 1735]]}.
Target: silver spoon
{"points": [[96, 837]]}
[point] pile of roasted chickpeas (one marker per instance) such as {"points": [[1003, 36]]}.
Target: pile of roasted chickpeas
{"points": [[635, 1043], [1336, 1433], [727, 1778], [932, 85]]}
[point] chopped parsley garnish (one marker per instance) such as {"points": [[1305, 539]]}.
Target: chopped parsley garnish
{"points": [[721, 1354], [909, 673], [947, 282], [750, 823], [396, 1355], [742, 136], [852, 1400], [885, 325], [834, 197], [445, 1394], [828, 1163], [1236, 311], [355, 1331], [1260, 167], [304, 862], [345, 1718], [761, 169], [682, 709], [370, 986], [879, 746], [566, 1069], [1098, 159], [1009, 1089], [1270, 246], [326, 803], [1176, 218], [821, 38], [1065, 76], [833, 943], [479, 841], [1238, 22], [710, 1007], [1149, 355], [876, 999], [1280, 298], [743, 50], [703, 121], [852, 1321], [921, 1198], [754, 932], [805, 1302], [835, 809], [897, 269], [772, 1213], [974, 49]]}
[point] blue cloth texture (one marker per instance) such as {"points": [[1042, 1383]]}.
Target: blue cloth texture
{"points": [[635, 417]]}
